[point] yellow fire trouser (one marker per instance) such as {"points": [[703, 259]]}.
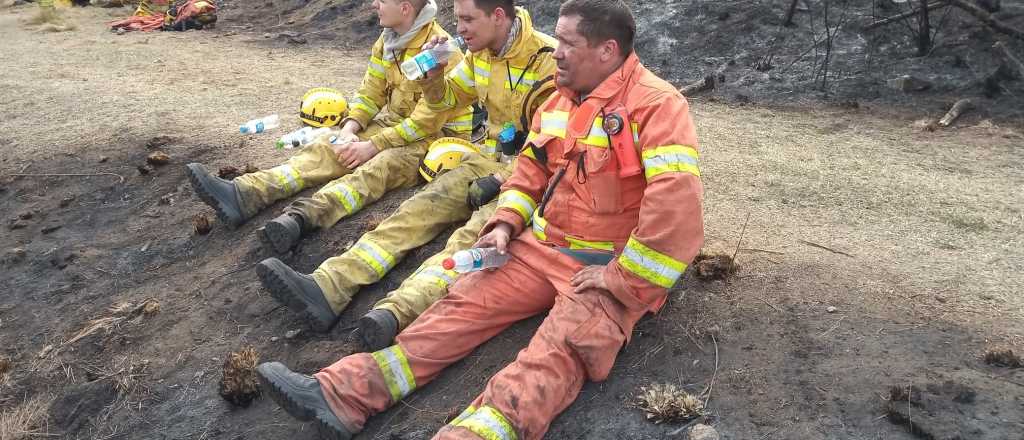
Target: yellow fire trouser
{"points": [[317, 164], [417, 221], [430, 281]]}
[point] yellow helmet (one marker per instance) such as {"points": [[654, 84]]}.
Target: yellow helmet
{"points": [[445, 154], [322, 107]]}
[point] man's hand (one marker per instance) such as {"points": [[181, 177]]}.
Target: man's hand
{"points": [[497, 238], [356, 153], [439, 70], [590, 277]]}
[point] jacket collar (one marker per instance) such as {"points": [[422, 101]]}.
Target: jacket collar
{"points": [[519, 46]]}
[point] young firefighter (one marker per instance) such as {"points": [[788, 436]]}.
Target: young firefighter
{"points": [[611, 165], [384, 154], [508, 70]]}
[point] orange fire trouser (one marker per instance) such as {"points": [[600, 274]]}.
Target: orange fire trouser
{"points": [[578, 340]]}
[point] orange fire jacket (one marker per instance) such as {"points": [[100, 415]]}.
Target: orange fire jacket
{"points": [[651, 221]]}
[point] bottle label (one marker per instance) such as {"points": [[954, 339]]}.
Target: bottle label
{"points": [[478, 258], [259, 127], [425, 61]]}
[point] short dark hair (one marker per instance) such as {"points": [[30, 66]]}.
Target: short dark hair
{"points": [[489, 6], [603, 20]]}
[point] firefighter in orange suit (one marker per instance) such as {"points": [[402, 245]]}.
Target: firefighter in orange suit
{"points": [[600, 218]]}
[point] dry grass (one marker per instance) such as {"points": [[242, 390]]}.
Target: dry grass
{"points": [[1003, 357], [201, 224], [27, 420], [238, 384], [666, 403], [117, 314], [714, 267]]}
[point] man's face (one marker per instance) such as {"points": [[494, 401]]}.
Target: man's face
{"points": [[390, 12], [581, 68], [478, 28]]}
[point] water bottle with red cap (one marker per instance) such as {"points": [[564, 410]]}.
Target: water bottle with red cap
{"points": [[472, 260]]}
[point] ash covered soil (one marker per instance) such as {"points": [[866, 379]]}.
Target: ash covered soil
{"points": [[879, 265]]}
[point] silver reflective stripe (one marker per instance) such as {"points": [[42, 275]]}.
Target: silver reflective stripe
{"points": [[650, 264], [347, 193], [436, 273], [465, 77], [668, 159], [286, 172], [553, 124], [405, 384], [371, 251], [485, 416]]}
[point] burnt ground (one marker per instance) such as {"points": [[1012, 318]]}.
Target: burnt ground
{"points": [[914, 237], [762, 61]]}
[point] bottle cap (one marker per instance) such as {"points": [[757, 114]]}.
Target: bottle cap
{"points": [[448, 264]]}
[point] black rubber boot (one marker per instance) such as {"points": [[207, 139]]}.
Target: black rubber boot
{"points": [[297, 291], [302, 397], [282, 233], [377, 329], [220, 194]]}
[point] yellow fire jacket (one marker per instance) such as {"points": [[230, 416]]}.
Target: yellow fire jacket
{"points": [[408, 118], [510, 87]]}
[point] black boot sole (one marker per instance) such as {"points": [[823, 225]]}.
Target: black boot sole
{"points": [[373, 336], [323, 427], [281, 289], [196, 177], [277, 236]]}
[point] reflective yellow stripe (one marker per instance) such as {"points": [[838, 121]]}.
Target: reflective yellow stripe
{"points": [[554, 123], [655, 267], [489, 148], [524, 79], [597, 137], [636, 132], [378, 67], [394, 366], [539, 224], [462, 75], [365, 104], [409, 130], [481, 72], [288, 177], [519, 202], [462, 416], [489, 424], [347, 196], [437, 275], [670, 158], [528, 152], [375, 256], [576, 243], [462, 123]]}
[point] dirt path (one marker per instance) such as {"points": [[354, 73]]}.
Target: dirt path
{"points": [[930, 226]]}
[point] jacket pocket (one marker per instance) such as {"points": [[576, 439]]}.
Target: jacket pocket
{"points": [[602, 181], [597, 343]]}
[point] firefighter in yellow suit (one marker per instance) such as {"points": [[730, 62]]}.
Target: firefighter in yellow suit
{"points": [[508, 71], [379, 151]]}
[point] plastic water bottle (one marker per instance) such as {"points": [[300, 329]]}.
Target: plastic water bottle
{"points": [[418, 66], [301, 137], [260, 125], [472, 260]]}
